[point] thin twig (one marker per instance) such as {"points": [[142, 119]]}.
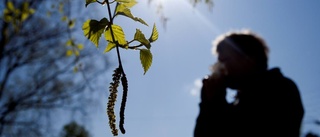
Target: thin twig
{"points": [[112, 35]]}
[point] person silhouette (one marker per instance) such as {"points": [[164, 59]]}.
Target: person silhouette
{"points": [[267, 103]]}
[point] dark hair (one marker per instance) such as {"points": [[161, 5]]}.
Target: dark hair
{"points": [[247, 43]]}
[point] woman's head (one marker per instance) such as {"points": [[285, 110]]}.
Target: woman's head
{"points": [[242, 48], [242, 52]]}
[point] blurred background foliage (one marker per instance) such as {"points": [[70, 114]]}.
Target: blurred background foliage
{"points": [[44, 68], [73, 129]]}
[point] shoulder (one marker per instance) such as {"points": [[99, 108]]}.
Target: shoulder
{"points": [[276, 76], [282, 85], [286, 90]]}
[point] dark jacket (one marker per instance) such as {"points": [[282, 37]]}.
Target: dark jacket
{"points": [[270, 106]]}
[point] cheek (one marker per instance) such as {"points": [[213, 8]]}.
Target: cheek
{"points": [[235, 68], [230, 68]]}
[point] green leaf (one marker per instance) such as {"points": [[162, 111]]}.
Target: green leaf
{"points": [[125, 11], [123, 1], [7, 15], [31, 11], [76, 52], [9, 12], [25, 6], [64, 18], [139, 36], [24, 11], [89, 2], [69, 42], [118, 34], [109, 47], [140, 20], [10, 6], [146, 59], [17, 12], [80, 46], [154, 36], [128, 3], [24, 16], [71, 23], [69, 53], [93, 29], [75, 69]]}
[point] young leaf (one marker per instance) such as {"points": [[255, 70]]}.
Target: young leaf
{"points": [[128, 3], [123, 1], [80, 46], [154, 36], [9, 12], [24, 16], [69, 53], [10, 6], [146, 59], [71, 23], [25, 6], [109, 47], [25, 12], [117, 33], [93, 29], [125, 11], [31, 11], [140, 20], [69, 42], [7, 15], [76, 52], [90, 1], [75, 69], [64, 18], [139, 36]]}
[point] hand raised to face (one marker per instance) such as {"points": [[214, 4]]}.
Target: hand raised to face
{"points": [[214, 85]]}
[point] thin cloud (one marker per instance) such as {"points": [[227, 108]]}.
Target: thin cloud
{"points": [[196, 87]]}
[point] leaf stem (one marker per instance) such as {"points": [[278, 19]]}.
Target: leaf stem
{"points": [[135, 47], [112, 1], [104, 2], [131, 41]]}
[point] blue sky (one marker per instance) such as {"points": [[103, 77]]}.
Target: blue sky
{"points": [[164, 102]]}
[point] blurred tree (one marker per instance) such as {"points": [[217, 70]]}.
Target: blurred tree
{"points": [[38, 59], [160, 9], [74, 130], [207, 2]]}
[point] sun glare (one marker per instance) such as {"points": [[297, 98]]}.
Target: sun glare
{"points": [[162, 1]]}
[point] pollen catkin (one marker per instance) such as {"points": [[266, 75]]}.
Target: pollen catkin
{"points": [[124, 82], [112, 99]]}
